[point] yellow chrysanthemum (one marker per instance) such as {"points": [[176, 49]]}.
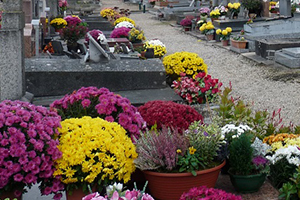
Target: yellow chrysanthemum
{"points": [[218, 31], [122, 19], [229, 29], [224, 32]]}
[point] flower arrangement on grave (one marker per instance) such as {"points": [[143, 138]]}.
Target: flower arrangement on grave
{"points": [[121, 32], [200, 22], [238, 38], [203, 192], [223, 10], [167, 150], [280, 138], [122, 19], [234, 8], [200, 89], [108, 12], [96, 34], [215, 14], [224, 34], [273, 7], [180, 62], [159, 48], [136, 35], [116, 191], [28, 147], [125, 24], [94, 102], [58, 23], [186, 22], [204, 11], [73, 20], [168, 114], [94, 152], [72, 33], [207, 28], [63, 4], [48, 48]]}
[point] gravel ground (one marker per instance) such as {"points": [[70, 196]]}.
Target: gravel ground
{"points": [[253, 82]]}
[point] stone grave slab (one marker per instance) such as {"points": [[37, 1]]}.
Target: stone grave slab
{"points": [[50, 77], [235, 24], [295, 52], [287, 60]]}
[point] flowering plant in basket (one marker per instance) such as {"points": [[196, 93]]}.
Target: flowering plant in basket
{"points": [[159, 47], [203, 192], [167, 150], [94, 152], [121, 32], [94, 102], [186, 22], [28, 147], [199, 90], [184, 62], [169, 114]]}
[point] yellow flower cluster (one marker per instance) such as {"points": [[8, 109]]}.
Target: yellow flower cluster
{"points": [[215, 13], [187, 62], [207, 28], [225, 34], [159, 50], [58, 23], [122, 19], [234, 5], [284, 144], [280, 137], [108, 12], [94, 149], [273, 3], [136, 35]]}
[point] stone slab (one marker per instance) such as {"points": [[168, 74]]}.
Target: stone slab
{"points": [[235, 24], [52, 77], [101, 25], [295, 52], [287, 60]]}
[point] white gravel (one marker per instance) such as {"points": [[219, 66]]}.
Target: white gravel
{"points": [[247, 77]]}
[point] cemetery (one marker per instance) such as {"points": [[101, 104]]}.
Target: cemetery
{"points": [[150, 99]]}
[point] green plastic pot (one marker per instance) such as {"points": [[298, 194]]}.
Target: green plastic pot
{"points": [[247, 183]]}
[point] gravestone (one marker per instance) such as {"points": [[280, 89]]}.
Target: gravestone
{"points": [[12, 72], [285, 7], [53, 7], [289, 57]]}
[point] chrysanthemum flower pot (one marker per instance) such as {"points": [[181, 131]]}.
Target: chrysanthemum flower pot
{"points": [[170, 186]]}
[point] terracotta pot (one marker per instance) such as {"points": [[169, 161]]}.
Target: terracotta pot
{"points": [[225, 42], [170, 186], [210, 37], [213, 19], [9, 195], [238, 44]]}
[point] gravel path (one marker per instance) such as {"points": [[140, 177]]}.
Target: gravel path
{"points": [[249, 79]]}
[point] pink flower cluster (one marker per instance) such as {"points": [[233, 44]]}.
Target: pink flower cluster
{"points": [[94, 33], [186, 22], [204, 193], [121, 32], [94, 102], [129, 195], [198, 89], [72, 21], [63, 3], [169, 114], [27, 146]]}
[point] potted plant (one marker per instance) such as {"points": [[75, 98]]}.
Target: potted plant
{"points": [[234, 9], [197, 90], [180, 62], [253, 6], [62, 4], [94, 102], [273, 8], [125, 24], [223, 11], [172, 160], [122, 19], [186, 23], [136, 36], [214, 14], [224, 35], [208, 29], [248, 164], [28, 147], [159, 48], [108, 12], [58, 23], [238, 42], [203, 192], [121, 32], [95, 153], [204, 11]]}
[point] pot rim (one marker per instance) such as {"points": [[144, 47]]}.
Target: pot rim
{"points": [[205, 171], [248, 176]]}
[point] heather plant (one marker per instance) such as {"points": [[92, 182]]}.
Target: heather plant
{"points": [[170, 114], [94, 102]]}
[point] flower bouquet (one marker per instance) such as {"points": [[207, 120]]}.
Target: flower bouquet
{"points": [[63, 4], [169, 114], [180, 62], [203, 192], [159, 48], [204, 11], [97, 35], [224, 34], [215, 14], [115, 192], [102, 103], [125, 24], [121, 32], [136, 35], [28, 146], [273, 7], [108, 12], [207, 28], [234, 8], [198, 90], [58, 23], [223, 11], [122, 19], [95, 152]]}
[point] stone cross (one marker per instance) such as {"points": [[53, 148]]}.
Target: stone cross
{"points": [[12, 70]]}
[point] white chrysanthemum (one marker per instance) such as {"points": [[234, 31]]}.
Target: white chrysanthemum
{"points": [[156, 42], [291, 153], [232, 128], [124, 24]]}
